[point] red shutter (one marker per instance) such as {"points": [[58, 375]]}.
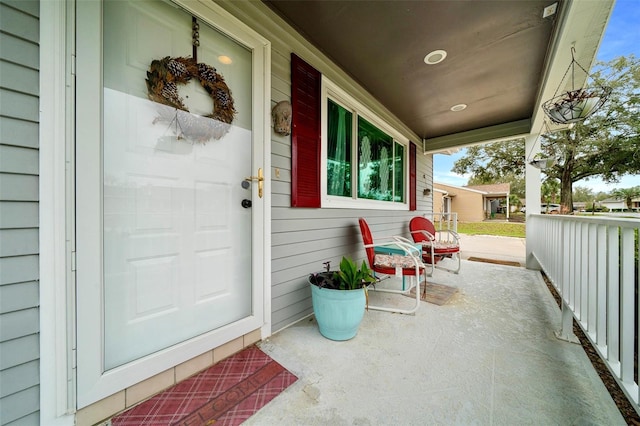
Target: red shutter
{"points": [[305, 134], [412, 176]]}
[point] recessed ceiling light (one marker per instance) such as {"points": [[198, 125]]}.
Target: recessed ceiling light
{"points": [[458, 107], [435, 57], [225, 59]]}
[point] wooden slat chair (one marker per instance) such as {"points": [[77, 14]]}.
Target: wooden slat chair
{"points": [[436, 245], [407, 264]]}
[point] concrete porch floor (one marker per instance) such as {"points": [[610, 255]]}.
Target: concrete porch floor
{"points": [[488, 357]]}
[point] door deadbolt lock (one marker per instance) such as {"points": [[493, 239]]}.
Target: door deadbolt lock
{"points": [[259, 179], [246, 203]]}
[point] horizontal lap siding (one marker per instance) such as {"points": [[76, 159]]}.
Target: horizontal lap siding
{"points": [[303, 238], [19, 162]]}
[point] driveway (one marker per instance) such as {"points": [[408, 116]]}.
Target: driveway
{"points": [[494, 248]]}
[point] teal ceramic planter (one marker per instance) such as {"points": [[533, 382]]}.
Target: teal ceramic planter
{"points": [[338, 312]]}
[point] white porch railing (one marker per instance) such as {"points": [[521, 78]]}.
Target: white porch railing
{"points": [[443, 221], [593, 263]]}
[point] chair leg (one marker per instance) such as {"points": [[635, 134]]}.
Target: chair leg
{"points": [[397, 310], [457, 259], [431, 264]]}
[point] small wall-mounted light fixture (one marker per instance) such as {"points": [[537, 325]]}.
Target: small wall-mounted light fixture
{"points": [[426, 192]]}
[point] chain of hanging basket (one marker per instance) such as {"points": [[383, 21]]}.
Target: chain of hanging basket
{"points": [[163, 78]]}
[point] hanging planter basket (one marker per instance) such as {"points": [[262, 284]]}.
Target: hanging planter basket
{"points": [[543, 163], [576, 105]]}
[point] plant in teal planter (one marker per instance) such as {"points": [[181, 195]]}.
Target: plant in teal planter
{"points": [[340, 297]]}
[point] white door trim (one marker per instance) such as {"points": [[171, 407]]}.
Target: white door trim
{"points": [[94, 384], [57, 386]]}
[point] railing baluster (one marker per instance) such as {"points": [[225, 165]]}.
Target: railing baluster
{"points": [[577, 277], [627, 302], [584, 272], [601, 284], [568, 244], [613, 299], [592, 284]]}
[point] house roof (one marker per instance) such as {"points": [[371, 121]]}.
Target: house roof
{"points": [[497, 188], [450, 188], [504, 58], [500, 189], [619, 200]]}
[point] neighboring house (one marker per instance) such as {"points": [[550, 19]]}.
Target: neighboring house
{"points": [[131, 258], [471, 203], [581, 206], [620, 205]]}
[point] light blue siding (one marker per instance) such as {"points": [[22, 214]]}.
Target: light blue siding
{"points": [[302, 238], [21, 407], [14, 379], [18, 18], [19, 296], [19, 246], [20, 78], [18, 132], [18, 187], [16, 351]]}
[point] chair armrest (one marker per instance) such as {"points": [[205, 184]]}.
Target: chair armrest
{"points": [[408, 245], [427, 234]]}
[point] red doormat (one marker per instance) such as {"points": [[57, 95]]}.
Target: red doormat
{"points": [[226, 393]]}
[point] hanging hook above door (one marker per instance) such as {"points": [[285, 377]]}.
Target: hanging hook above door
{"points": [[195, 37]]}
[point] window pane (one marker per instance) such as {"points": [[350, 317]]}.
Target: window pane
{"points": [[398, 170], [339, 131], [375, 162]]}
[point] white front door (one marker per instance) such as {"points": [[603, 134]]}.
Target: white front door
{"points": [[169, 231]]}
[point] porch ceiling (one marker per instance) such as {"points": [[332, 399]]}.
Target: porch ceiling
{"points": [[503, 57]]}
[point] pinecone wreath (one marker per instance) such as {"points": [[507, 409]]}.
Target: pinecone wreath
{"points": [[164, 77]]}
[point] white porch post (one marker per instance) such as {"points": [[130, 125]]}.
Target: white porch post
{"points": [[508, 207], [532, 192]]}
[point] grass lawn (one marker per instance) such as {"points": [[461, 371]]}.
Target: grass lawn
{"points": [[503, 229]]}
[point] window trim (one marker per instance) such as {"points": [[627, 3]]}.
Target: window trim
{"points": [[329, 90]]}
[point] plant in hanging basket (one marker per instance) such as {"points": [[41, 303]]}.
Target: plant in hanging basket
{"points": [[575, 105]]}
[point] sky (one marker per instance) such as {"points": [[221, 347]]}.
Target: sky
{"points": [[621, 38]]}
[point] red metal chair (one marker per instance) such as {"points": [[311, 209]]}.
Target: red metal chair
{"points": [[393, 257], [436, 245]]}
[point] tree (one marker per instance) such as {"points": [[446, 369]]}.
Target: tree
{"points": [[627, 194], [583, 194], [514, 200], [604, 145], [550, 190], [497, 162]]}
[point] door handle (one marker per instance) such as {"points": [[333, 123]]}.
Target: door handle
{"points": [[259, 179]]}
